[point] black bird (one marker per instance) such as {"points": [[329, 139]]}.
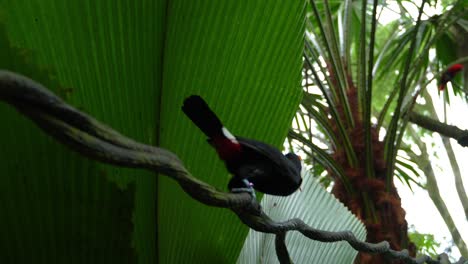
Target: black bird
{"points": [[253, 163]]}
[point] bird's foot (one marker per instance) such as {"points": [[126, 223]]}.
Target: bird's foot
{"points": [[241, 190], [248, 189]]}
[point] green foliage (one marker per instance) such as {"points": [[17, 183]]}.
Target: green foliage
{"points": [[425, 243], [130, 64], [245, 60], [388, 64], [61, 207], [445, 49]]}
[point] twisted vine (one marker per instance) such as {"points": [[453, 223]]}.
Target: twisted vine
{"points": [[95, 140], [436, 126]]}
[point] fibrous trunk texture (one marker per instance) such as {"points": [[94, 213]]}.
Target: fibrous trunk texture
{"points": [[375, 199]]}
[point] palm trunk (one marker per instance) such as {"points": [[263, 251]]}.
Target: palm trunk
{"points": [[375, 200]]}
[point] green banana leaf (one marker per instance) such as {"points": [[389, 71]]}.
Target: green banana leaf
{"points": [[130, 64], [317, 208]]}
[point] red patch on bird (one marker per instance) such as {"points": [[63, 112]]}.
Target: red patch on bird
{"points": [[455, 68], [448, 75], [227, 149]]}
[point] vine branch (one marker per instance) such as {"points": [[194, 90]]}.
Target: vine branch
{"points": [[95, 140], [445, 130]]}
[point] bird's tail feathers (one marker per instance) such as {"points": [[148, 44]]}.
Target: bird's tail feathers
{"points": [[202, 116]]}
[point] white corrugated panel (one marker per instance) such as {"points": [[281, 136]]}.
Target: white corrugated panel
{"points": [[317, 208]]}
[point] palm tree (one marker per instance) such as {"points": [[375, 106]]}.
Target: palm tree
{"points": [[361, 80]]}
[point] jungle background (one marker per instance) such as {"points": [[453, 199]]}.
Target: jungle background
{"points": [[338, 79]]}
